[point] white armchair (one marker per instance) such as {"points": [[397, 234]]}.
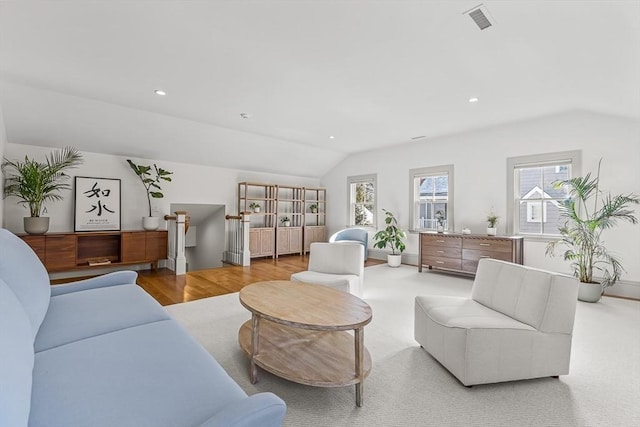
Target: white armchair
{"points": [[517, 324], [338, 265]]}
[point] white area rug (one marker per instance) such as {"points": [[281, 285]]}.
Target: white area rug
{"points": [[409, 388]]}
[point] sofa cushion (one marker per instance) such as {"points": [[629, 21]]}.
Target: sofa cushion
{"points": [[78, 315], [150, 375], [16, 360], [22, 271]]}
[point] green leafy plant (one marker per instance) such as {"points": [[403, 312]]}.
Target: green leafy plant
{"points": [[392, 236], [253, 205], [151, 182], [313, 207], [588, 212], [36, 183], [284, 219], [441, 218], [492, 219]]}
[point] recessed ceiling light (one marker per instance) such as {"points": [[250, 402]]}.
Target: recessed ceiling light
{"points": [[474, 99], [160, 92], [332, 137]]}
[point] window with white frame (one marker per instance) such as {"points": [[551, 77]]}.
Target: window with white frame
{"points": [[361, 193], [431, 197], [533, 205]]}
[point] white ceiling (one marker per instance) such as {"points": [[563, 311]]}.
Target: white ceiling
{"points": [[370, 73]]}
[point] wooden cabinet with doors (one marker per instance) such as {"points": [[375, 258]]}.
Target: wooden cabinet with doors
{"points": [[261, 241], [289, 240], [81, 250]]}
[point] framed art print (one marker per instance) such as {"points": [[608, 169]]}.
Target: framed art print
{"points": [[97, 204]]}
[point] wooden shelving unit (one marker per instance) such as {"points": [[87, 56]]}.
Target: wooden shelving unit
{"points": [[268, 236]]}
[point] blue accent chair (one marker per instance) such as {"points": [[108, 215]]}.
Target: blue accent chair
{"points": [[353, 234]]}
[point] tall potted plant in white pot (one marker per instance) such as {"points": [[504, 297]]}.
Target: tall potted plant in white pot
{"points": [[37, 183], [391, 236], [588, 212], [151, 179]]}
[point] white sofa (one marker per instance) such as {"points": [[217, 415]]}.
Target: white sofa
{"points": [[517, 324], [338, 265]]}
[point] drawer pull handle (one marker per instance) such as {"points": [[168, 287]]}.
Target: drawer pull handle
{"points": [[439, 262], [485, 244], [440, 252], [440, 241], [485, 256]]}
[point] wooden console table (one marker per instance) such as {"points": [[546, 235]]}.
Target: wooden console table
{"points": [[298, 331], [75, 251], [461, 252]]}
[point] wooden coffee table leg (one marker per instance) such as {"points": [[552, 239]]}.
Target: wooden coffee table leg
{"points": [[359, 343], [255, 335]]}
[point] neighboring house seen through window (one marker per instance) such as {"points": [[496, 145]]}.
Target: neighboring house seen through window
{"points": [[533, 207], [431, 192], [362, 200]]}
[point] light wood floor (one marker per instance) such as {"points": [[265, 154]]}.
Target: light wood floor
{"points": [[168, 288]]}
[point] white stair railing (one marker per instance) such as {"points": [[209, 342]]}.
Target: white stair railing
{"points": [[238, 239], [177, 230]]}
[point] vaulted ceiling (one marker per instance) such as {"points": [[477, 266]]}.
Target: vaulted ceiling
{"points": [[367, 73]]}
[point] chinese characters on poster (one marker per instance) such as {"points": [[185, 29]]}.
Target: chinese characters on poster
{"points": [[97, 204]]}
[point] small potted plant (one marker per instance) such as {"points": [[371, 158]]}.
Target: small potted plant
{"points": [[151, 183], [36, 183], [314, 208], [393, 237], [492, 220], [441, 217], [255, 207], [286, 222]]}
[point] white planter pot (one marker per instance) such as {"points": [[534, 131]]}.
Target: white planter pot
{"points": [[440, 229], [394, 260], [286, 224], [150, 223], [589, 292], [256, 210], [36, 225], [492, 231]]}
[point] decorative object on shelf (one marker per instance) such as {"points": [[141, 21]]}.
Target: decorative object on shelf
{"points": [[286, 222], [492, 219], [151, 184], [466, 231], [255, 207], [97, 204], [314, 208], [440, 219], [36, 183], [393, 237], [588, 212]]}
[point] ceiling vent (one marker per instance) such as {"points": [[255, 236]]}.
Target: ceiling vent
{"points": [[480, 16]]}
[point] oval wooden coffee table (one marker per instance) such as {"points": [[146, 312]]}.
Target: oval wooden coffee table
{"points": [[298, 332]]}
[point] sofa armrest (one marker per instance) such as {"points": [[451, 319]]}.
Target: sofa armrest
{"points": [[260, 410], [110, 279]]}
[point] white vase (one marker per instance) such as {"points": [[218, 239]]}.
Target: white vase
{"points": [[440, 229], [394, 260], [589, 292], [36, 224], [492, 231], [286, 223], [256, 210], [150, 223]]}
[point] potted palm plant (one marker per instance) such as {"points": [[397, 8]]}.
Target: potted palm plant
{"points": [[36, 183], [151, 179], [286, 222], [393, 237], [313, 208], [588, 212]]}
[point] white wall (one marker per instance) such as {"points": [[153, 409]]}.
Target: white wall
{"points": [[479, 159], [191, 184], [3, 143]]}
